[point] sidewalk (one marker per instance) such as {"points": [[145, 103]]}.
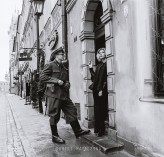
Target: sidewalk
{"points": [[34, 137]]}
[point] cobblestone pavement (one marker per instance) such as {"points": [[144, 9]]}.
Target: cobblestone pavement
{"points": [[24, 132]]}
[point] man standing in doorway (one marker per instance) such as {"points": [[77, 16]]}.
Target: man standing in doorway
{"points": [[55, 74]]}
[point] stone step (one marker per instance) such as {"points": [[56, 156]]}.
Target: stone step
{"points": [[104, 144]]}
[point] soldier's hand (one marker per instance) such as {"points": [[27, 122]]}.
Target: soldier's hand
{"points": [[60, 82], [67, 85]]}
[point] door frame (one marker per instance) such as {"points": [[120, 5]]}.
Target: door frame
{"points": [[87, 38]]}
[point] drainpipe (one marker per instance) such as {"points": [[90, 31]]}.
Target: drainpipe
{"points": [[64, 27], [64, 32]]}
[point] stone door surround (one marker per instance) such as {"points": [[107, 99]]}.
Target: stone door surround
{"points": [[88, 53]]}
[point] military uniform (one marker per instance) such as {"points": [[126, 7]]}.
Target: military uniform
{"points": [[55, 75], [57, 96]]}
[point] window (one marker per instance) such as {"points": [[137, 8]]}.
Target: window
{"points": [[159, 54]]}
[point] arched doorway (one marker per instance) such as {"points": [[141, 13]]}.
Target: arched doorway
{"points": [[96, 32]]}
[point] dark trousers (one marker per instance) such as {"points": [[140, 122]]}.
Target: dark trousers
{"points": [[100, 111], [54, 107]]}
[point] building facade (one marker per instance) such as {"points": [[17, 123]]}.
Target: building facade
{"points": [[129, 32], [132, 33], [12, 61]]}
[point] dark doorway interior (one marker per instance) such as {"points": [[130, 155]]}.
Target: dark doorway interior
{"points": [[99, 29]]}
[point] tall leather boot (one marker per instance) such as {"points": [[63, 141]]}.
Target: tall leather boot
{"points": [[77, 129], [55, 136]]}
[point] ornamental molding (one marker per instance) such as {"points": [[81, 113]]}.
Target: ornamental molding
{"points": [[87, 35], [47, 28], [70, 5], [53, 40], [107, 16], [56, 16]]}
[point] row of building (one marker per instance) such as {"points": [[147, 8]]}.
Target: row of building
{"points": [[133, 34]]}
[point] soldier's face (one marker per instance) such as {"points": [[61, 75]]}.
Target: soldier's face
{"points": [[60, 56]]}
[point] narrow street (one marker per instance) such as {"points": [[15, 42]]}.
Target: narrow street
{"points": [[26, 133]]}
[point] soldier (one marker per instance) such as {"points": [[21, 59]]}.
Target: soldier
{"points": [[57, 94]]}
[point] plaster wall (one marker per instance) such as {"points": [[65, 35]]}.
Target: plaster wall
{"points": [[136, 121], [75, 56]]}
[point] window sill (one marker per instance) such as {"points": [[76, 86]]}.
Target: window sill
{"points": [[152, 100]]}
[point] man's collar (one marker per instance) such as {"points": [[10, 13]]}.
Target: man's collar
{"points": [[58, 64]]}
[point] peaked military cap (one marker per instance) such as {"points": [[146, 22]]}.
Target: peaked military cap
{"points": [[55, 52]]}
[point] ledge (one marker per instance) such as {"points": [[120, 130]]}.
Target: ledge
{"points": [[152, 100], [86, 35], [107, 16]]}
